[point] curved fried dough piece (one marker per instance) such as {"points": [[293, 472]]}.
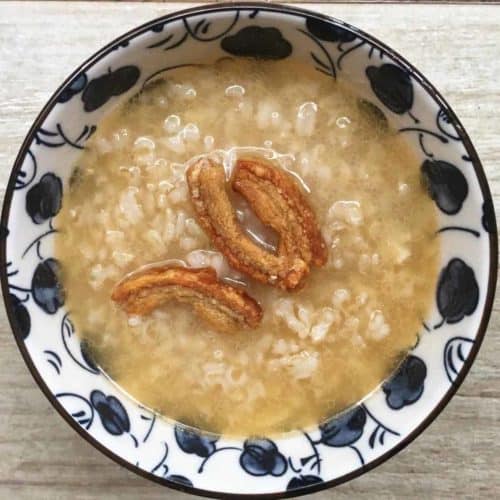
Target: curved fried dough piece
{"points": [[278, 202], [223, 306], [206, 181]]}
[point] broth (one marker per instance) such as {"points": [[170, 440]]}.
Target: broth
{"points": [[318, 350]]}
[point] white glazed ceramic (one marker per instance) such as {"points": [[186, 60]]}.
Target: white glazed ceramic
{"points": [[309, 459]]}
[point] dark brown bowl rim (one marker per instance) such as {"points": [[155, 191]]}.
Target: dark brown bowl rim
{"points": [[430, 89]]}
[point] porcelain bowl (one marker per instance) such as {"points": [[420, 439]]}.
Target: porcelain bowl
{"points": [[306, 460]]}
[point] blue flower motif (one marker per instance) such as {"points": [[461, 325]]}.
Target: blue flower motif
{"points": [[407, 384], [328, 32], [21, 316], [445, 184], [392, 85], [488, 218], [191, 441], [113, 415], [261, 43], [457, 291], [180, 480], [158, 28], [261, 457], [345, 429], [73, 88], [47, 291], [100, 90], [44, 199], [303, 482]]}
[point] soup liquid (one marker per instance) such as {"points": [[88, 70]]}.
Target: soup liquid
{"points": [[318, 350]]}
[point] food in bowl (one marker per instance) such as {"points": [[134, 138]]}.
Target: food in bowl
{"points": [[395, 96], [241, 250]]}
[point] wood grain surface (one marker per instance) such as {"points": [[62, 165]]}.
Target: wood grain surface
{"points": [[456, 47]]}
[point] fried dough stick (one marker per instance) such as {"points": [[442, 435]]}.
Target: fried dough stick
{"points": [[223, 306], [216, 215], [277, 200]]}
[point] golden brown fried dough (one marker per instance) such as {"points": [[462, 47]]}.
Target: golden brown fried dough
{"points": [[278, 202], [223, 306], [207, 185]]}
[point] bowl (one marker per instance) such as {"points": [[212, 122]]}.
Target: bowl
{"points": [[303, 461]]}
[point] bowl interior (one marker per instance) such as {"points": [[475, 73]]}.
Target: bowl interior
{"points": [[304, 460]]}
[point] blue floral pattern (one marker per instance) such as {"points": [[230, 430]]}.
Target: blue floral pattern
{"points": [[488, 219], [179, 455], [406, 386], [44, 199], [344, 430], [261, 457], [73, 88], [48, 292], [303, 482], [261, 43], [113, 83], [446, 185], [457, 292], [112, 413], [21, 315], [392, 85], [328, 32], [192, 441]]}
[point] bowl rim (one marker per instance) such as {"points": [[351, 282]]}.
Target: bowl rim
{"points": [[430, 90]]}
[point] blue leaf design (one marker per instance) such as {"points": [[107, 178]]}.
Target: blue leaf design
{"points": [[345, 429], [488, 218], [28, 173], [73, 88], [328, 32], [157, 28], [44, 199], [303, 482], [261, 457], [84, 415], [46, 288], [21, 317], [373, 436], [381, 438], [446, 185], [407, 385], [454, 357], [392, 85], [191, 441], [100, 90], [261, 43], [113, 415], [55, 361], [161, 465], [457, 291]]}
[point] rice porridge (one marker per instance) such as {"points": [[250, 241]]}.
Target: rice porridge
{"points": [[317, 350]]}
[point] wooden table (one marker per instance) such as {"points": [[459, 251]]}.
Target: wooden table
{"points": [[455, 46]]}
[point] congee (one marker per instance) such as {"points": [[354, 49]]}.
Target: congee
{"points": [[247, 252]]}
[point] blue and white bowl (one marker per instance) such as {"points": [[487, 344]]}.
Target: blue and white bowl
{"points": [[303, 461]]}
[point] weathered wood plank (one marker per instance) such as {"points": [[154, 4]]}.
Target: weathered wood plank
{"points": [[455, 46]]}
